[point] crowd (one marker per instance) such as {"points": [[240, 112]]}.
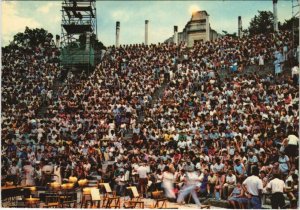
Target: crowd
{"points": [[163, 115]]}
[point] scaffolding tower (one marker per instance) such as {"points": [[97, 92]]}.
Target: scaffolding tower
{"points": [[78, 18]]}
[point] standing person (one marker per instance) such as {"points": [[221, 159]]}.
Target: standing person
{"points": [[277, 187], [57, 173], [143, 178], [292, 146], [253, 187], [29, 172], [261, 62], [14, 172], [284, 164], [168, 182], [192, 184]]}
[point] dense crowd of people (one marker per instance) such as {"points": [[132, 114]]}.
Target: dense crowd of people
{"points": [[163, 115]]}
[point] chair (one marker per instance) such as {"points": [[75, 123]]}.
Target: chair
{"points": [[159, 197], [68, 199], [52, 201], [110, 200], [87, 196], [96, 196], [135, 199]]}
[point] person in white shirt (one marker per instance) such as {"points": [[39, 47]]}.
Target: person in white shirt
{"points": [[277, 187], [120, 184], [295, 74], [192, 184], [218, 166], [292, 146], [14, 172], [229, 184], [143, 177], [253, 187]]}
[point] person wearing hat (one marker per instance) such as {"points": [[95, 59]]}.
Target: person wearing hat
{"points": [[192, 184]]}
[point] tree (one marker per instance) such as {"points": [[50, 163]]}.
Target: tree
{"points": [[32, 37], [228, 34], [261, 23], [288, 24]]}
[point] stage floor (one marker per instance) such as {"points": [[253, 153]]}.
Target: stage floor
{"points": [[148, 204]]}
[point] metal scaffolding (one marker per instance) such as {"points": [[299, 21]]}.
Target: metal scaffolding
{"points": [[78, 17]]}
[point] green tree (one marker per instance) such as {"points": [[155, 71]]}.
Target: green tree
{"points": [[288, 24], [32, 37], [261, 23], [228, 34]]}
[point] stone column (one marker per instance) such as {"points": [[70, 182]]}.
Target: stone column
{"points": [[146, 31], [175, 35], [275, 15], [240, 28], [117, 34], [207, 29]]}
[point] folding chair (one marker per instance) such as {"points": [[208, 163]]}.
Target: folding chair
{"points": [[158, 196], [87, 196], [96, 196], [135, 199], [110, 199]]}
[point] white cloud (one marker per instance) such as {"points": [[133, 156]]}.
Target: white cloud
{"points": [[46, 8], [120, 15], [13, 23]]}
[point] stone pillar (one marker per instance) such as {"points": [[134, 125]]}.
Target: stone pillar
{"points": [[146, 31], [175, 37], [275, 15], [207, 29], [117, 34], [240, 28]]}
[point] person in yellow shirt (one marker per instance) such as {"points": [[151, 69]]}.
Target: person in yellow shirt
{"points": [[168, 136]]}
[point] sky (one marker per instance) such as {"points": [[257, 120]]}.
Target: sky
{"points": [[162, 16]]}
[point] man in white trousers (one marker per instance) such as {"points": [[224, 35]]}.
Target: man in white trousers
{"points": [[192, 183]]}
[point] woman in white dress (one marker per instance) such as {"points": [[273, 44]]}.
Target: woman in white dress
{"points": [[168, 183], [29, 174]]}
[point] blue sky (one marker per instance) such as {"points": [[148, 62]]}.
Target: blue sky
{"points": [[162, 16]]}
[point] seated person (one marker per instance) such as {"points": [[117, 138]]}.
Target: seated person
{"points": [[236, 199]]}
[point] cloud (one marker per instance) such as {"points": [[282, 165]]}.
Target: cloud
{"points": [[119, 15], [13, 23], [46, 8]]}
